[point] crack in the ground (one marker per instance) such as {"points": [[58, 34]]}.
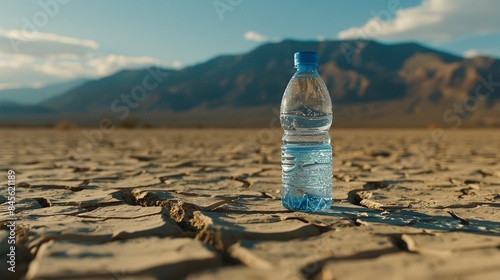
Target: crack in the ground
{"points": [[63, 187], [246, 183]]}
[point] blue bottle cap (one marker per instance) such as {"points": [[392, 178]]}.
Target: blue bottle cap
{"points": [[306, 57]]}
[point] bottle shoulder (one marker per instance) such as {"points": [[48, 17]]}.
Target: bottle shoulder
{"points": [[311, 93]]}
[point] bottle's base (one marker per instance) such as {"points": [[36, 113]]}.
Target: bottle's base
{"points": [[306, 203]]}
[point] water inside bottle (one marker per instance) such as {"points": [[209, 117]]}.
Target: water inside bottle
{"points": [[306, 162]]}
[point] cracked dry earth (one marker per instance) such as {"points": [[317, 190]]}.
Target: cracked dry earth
{"points": [[205, 204]]}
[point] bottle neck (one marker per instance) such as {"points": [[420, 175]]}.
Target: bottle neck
{"points": [[306, 71]]}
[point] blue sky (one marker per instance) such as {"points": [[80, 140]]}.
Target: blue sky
{"points": [[48, 41]]}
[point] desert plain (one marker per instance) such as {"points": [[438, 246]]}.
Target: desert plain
{"points": [[205, 204]]}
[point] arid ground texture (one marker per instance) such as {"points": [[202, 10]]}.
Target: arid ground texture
{"points": [[205, 204]]}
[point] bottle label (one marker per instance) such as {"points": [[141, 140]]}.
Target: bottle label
{"points": [[307, 167]]}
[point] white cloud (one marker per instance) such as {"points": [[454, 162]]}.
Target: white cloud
{"points": [[112, 63], [321, 38], [44, 58], [434, 20], [177, 64], [40, 44], [471, 53], [481, 52], [254, 36], [30, 70], [64, 68], [26, 76], [17, 61]]}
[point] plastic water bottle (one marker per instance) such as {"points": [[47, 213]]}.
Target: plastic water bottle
{"points": [[306, 153]]}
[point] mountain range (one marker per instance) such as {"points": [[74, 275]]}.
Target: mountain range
{"points": [[32, 95], [371, 85]]}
